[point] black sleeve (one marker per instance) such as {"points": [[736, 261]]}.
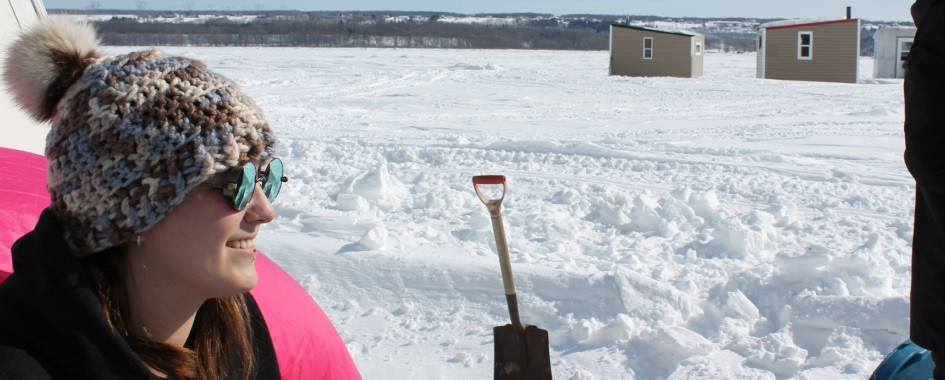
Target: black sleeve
{"points": [[925, 103], [267, 367], [920, 8], [18, 365]]}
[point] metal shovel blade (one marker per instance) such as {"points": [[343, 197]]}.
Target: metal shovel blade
{"points": [[521, 355]]}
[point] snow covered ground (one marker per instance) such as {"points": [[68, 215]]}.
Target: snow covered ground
{"points": [[719, 227]]}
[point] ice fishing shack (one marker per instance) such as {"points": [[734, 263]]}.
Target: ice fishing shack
{"points": [[891, 46], [650, 52], [809, 50]]}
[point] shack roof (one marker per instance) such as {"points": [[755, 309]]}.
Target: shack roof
{"points": [[658, 30], [795, 23]]}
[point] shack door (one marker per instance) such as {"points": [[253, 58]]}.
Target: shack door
{"points": [[903, 45]]}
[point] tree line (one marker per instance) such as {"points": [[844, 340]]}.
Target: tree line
{"points": [[405, 30], [353, 31]]}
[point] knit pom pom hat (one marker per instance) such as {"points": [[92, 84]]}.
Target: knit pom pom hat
{"points": [[130, 135]]}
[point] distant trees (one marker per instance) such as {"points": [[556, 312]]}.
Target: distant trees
{"points": [[730, 42], [867, 47], [352, 30], [404, 29]]}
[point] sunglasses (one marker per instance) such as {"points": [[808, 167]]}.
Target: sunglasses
{"points": [[239, 183]]}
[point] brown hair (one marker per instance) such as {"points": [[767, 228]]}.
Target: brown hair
{"points": [[218, 345]]}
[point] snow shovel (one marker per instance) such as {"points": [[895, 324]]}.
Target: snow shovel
{"points": [[521, 352]]}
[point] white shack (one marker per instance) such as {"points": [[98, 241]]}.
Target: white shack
{"points": [[891, 47]]}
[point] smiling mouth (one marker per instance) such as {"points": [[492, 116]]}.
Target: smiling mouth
{"points": [[241, 244]]}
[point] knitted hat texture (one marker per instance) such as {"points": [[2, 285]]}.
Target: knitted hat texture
{"points": [[131, 134]]}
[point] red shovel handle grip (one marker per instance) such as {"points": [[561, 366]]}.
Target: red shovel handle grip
{"points": [[489, 180], [494, 205]]}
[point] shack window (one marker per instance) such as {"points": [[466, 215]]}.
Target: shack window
{"points": [[647, 47], [805, 43], [904, 47], [698, 48]]}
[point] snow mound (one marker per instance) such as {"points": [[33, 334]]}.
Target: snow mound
{"points": [[376, 185]]}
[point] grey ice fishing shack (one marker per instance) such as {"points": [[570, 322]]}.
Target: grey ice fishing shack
{"points": [[891, 46]]}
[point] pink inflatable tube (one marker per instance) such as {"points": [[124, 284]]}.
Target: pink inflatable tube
{"points": [[307, 344]]}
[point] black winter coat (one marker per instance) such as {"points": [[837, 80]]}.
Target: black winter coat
{"points": [[52, 325], [925, 157]]}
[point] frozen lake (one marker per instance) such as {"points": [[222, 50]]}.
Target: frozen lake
{"points": [[718, 227]]}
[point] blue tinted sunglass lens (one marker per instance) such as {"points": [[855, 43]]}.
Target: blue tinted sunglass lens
{"points": [[245, 186], [273, 179]]}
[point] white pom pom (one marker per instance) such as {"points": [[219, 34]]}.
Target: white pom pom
{"points": [[46, 60]]}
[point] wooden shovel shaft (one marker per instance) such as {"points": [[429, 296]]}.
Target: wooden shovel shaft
{"points": [[506, 265], [495, 212], [504, 262]]}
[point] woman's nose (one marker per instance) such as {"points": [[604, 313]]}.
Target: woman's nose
{"points": [[260, 210]]}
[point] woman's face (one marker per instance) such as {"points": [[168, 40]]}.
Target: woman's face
{"points": [[203, 247]]}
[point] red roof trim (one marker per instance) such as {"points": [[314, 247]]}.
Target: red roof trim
{"points": [[812, 24]]}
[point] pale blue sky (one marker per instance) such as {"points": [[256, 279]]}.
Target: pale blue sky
{"points": [[879, 10]]}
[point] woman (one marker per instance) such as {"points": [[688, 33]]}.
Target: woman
{"points": [[160, 174], [924, 89]]}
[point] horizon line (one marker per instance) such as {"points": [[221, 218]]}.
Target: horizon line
{"points": [[443, 12]]}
